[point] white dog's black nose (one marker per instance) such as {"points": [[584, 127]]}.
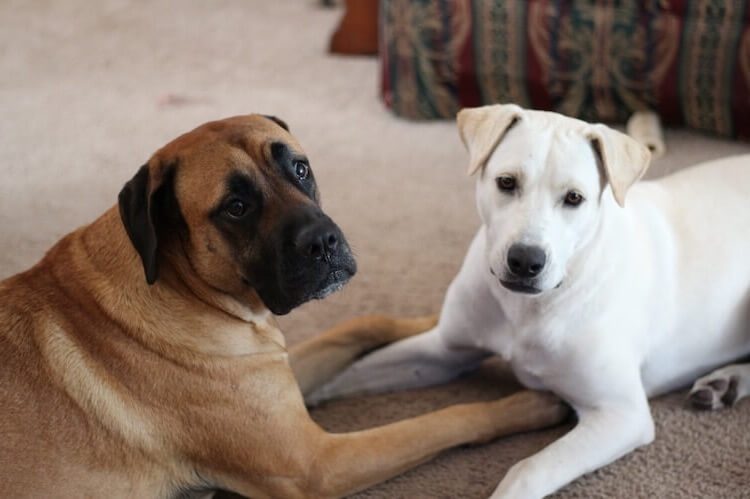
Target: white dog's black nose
{"points": [[526, 261]]}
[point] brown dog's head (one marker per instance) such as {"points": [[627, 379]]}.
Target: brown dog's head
{"points": [[238, 200]]}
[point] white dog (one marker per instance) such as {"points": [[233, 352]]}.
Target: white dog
{"points": [[602, 301]]}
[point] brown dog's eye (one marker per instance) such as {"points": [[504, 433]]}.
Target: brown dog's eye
{"points": [[236, 208], [573, 198], [301, 170], [506, 183]]}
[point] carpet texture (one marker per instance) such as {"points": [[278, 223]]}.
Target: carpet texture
{"points": [[88, 90]]}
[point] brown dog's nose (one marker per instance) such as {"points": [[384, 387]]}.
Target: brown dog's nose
{"points": [[319, 241]]}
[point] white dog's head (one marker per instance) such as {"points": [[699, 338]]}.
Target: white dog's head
{"points": [[543, 180]]}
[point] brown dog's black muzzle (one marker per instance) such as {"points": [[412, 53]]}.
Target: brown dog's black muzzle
{"points": [[311, 259]]}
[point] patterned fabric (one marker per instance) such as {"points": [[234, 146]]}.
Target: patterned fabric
{"points": [[599, 60]]}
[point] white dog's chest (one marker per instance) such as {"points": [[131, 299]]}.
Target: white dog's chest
{"points": [[533, 359], [530, 378], [547, 353], [580, 375]]}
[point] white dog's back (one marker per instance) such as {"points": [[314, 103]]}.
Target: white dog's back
{"points": [[707, 208]]}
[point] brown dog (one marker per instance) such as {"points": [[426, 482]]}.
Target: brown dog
{"points": [[112, 385]]}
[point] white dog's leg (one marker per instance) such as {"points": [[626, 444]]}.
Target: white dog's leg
{"points": [[414, 362], [601, 436], [722, 388]]}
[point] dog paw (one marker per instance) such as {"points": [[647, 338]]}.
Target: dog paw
{"points": [[314, 399], [321, 395], [715, 391]]}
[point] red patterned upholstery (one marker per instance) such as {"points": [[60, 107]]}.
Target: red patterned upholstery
{"points": [[689, 60]]}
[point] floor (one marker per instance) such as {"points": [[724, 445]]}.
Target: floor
{"points": [[88, 90]]}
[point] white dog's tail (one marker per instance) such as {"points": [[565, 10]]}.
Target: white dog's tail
{"points": [[645, 127]]}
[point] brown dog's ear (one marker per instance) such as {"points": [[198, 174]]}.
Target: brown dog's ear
{"points": [[482, 129], [623, 159], [138, 202], [278, 121]]}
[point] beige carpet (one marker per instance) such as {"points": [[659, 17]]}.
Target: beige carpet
{"points": [[89, 89]]}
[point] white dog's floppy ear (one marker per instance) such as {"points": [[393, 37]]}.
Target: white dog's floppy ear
{"points": [[624, 160], [482, 129]]}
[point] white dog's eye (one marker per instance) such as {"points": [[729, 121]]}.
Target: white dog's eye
{"points": [[573, 198], [506, 183]]}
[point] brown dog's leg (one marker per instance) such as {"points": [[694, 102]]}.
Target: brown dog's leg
{"points": [[356, 461], [340, 464], [320, 358]]}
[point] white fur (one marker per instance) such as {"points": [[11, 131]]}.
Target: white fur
{"points": [[635, 300]]}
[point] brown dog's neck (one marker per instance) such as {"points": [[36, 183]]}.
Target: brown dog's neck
{"points": [[178, 314], [178, 273], [179, 276]]}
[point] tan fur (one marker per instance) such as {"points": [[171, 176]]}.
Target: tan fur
{"points": [[482, 128], [624, 159], [110, 387]]}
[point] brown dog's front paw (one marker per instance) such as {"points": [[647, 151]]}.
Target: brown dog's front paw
{"points": [[542, 409], [527, 411], [415, 325], [393, 329]]}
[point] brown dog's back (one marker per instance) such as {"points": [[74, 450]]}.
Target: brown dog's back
{"points": [[33, 406], [46, 437]]}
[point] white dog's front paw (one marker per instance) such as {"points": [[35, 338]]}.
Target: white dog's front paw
{"points": [[351, 381], [517, 484], [722, 388], [316, 398], [330, 390]]}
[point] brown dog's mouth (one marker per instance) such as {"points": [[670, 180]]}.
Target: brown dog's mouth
{"points": [[335, 281]]}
